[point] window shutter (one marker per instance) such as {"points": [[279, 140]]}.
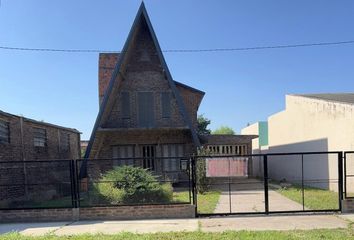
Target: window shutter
{"points": [[166, 104], [125, 105]]}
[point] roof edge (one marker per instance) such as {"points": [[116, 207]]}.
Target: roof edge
{"points": [[40, 122]]}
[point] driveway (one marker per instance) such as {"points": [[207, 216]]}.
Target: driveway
{"points": [[247, 195]]}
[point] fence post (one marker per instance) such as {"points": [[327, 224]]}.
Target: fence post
{"points": [[194, 184], [265, 176], [340, 179], [345, 174], [72, 184]]}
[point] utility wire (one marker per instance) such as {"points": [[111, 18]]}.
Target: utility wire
{"points": [[182, 50]]}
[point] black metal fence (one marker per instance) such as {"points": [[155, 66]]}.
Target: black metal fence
{"points": [[165, 187], [222, 185], [269, 183], [56, 183], [36, 184]]}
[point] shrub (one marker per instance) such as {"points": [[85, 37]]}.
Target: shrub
{"points": [[128, 184], [203, 183]]}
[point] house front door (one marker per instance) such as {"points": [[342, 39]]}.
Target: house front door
{"points": [[148, 154]]}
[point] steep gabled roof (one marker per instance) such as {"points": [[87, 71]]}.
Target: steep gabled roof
{"points": [[118, 75]]}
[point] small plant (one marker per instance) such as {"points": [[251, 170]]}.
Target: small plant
{"points": [[128, 184], [203, 184]]}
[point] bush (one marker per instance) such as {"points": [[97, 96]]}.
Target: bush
{"points": [[203, 183], [128, 184]]}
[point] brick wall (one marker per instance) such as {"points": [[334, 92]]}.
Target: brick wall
{"points": [[20, 151], [99, 213], [21, 146]]}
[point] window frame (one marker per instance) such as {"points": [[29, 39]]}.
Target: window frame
{"points": [[38, 139]]}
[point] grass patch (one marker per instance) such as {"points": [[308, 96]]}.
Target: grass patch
{"points": [[263, 235], [315, 198], [206, 201]]}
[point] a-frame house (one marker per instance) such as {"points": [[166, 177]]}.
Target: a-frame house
{"points": [[143, 112]]}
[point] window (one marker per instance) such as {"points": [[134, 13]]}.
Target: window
{"points": [[125, 105], [146, 109], [65, 141], [166, 104], [4, 132], [172, 154], [125, 152], [40, 137], [148, 152]]}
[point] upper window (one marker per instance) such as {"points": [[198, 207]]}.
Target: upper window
{"points": [[4, 132], [40, 137], [166, 104], [65, 141], [146, 116], [125, 105]]}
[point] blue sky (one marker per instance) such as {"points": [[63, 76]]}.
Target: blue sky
{"points": [[240, 87]]}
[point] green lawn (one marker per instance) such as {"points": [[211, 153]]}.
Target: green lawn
{"points": [[198, 235], [206, 201], [315, 199]]}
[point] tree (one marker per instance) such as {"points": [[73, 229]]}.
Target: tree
{"points": [[203, 123], [223, 130]]}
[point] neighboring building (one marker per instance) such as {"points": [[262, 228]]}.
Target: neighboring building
{"points": [[83, 147], [259, 144], [144, 113], [24, 139], [28, 153], [311, 123]]}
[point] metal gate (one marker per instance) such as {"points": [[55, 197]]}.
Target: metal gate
{"points": [[349, 174], [268, 183]]}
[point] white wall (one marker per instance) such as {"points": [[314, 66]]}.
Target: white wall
{"points": [[310, 125], [257, 162]]}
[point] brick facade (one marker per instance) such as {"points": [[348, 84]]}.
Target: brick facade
{"points": [[21, 172], [99, 213], [21, 146]]}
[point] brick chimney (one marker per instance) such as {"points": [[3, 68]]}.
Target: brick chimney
{"points": [[106, 64]]}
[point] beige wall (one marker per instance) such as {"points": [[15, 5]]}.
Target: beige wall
{"points": [[257, 162], [305, 125]]}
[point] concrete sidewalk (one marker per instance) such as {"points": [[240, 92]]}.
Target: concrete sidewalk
{"points": [[303, 222]]}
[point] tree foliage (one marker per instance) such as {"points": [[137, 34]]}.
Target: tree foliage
{"points": [[223, 130], [203, 123]]}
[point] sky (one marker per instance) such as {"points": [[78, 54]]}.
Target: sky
{"points": [[241, 87]]}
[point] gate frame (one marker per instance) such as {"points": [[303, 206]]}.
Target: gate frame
{"points": [[345, 175], [340, 161]]}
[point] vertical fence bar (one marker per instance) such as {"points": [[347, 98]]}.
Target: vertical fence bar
{"points": [[340, 179], [265, 176], [345, 174], [189, 181], [194, 184], [77, 182], [72, 184], [230, 184], [302, 182]]}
